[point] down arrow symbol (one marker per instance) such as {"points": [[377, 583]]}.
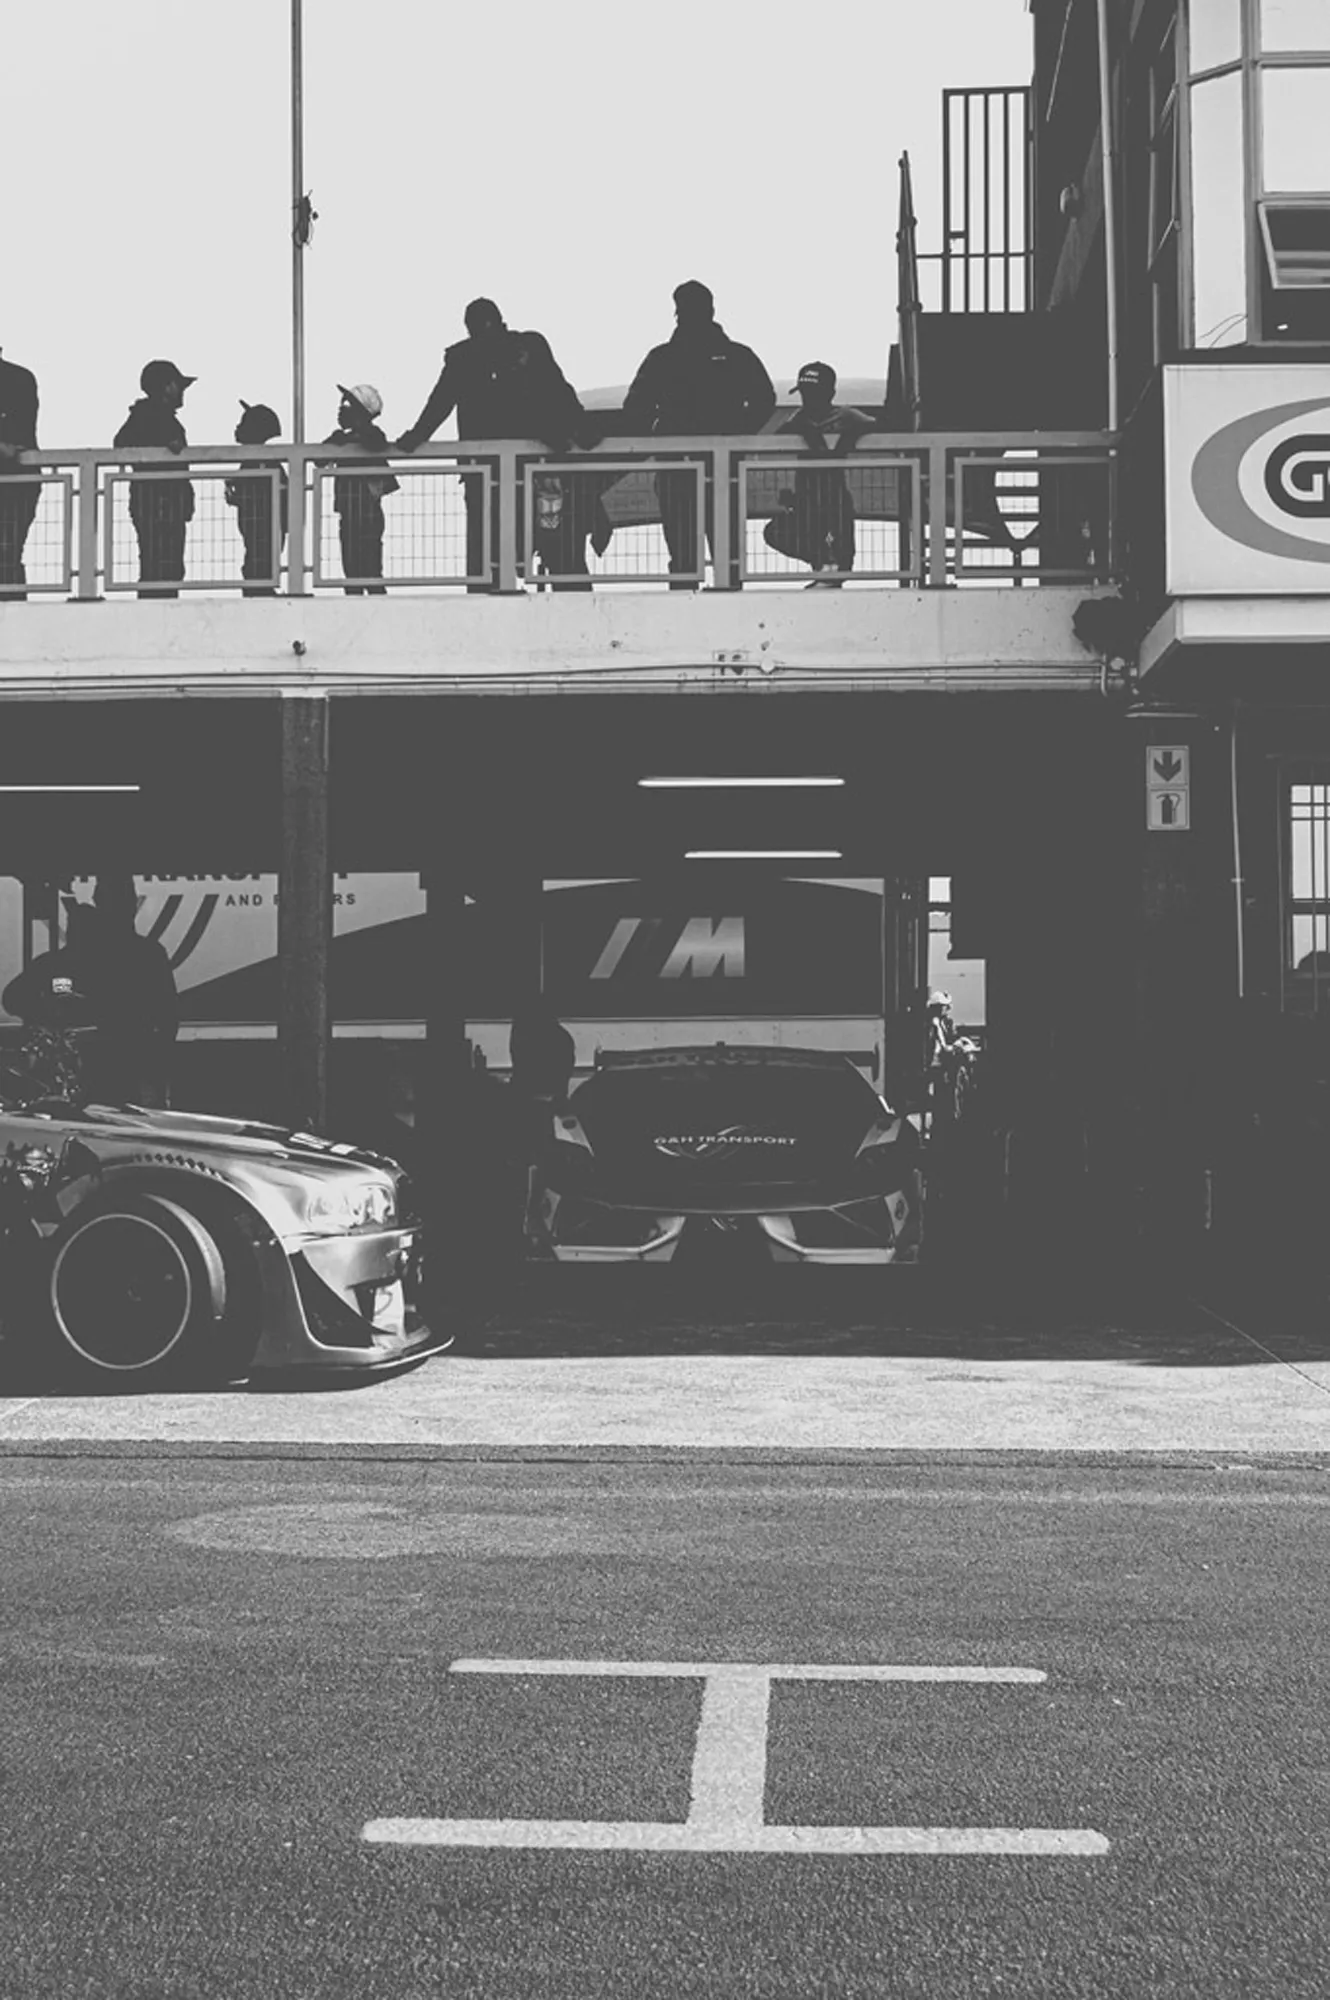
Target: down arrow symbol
{"points": [[1168, 766]]}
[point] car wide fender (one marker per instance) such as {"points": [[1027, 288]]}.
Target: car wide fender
{"points": [[220, 1208]]}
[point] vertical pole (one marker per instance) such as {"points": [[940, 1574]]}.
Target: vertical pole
{"points": [[722, 499], [304, 910], [505, 470], [446, 1119], [1110, 216], [87, 548], [937, 517], [297, 224]]}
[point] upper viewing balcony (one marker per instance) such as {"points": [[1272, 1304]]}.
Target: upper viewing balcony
{"points": [[899, 511]]}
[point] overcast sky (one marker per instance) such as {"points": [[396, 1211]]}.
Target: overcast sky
{"points": [[574, 160]]}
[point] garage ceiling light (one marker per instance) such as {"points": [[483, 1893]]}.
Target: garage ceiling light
{"points": [[735, 784], [763, 854], [71, 788]]}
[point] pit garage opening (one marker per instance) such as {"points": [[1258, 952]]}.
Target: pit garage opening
{"points": [[476, 853]]}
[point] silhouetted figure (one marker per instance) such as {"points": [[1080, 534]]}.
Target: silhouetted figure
{"points": [[111, 979], [358, 497], [816, 524], [698, 383], [161, 505], [251, 494], [503, 384], [542, 1054], [18, 495]]}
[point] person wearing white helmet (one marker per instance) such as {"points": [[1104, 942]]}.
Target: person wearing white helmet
{"points": [[358, 496]]}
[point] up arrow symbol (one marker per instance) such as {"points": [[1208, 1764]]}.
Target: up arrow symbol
{"points": [[1168, 766]]}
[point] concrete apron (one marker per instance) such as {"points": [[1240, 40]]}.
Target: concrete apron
{"points": [[1200, 1383]]}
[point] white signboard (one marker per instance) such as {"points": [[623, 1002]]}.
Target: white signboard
{"points": [[1167, 787], [1247, 477]]}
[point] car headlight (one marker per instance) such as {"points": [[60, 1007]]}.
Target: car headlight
{"points": [[883, 1141], [333, 1210]]}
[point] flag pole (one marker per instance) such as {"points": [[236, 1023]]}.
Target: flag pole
{"points": [[299, 224]]}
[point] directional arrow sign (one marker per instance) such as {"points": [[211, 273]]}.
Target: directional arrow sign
{"points": [[1167, 764]]}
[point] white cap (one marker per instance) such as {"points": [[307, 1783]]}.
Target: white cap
{"points": [[368, 397]]}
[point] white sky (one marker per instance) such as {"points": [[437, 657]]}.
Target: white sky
{"points": [[573, 160]]}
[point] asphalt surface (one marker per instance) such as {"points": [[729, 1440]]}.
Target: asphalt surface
{"points": [[218, 1674]]}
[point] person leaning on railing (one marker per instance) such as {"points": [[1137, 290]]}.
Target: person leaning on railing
{"points": [[162, 506], [815, 521], [502, 384], [18, 496], [698, 383]]}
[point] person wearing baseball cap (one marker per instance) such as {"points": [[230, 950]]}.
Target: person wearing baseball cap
{"points": [[358, 495], [161, 508], [250, 492], [816, 524]]}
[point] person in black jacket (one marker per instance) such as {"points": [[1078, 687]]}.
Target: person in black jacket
{"points": [[251, 494], [114, 980], [698, 383], [18, 496], [502, 384], [162, 506], [358, 497]]}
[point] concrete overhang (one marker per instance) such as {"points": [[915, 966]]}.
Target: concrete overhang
{"points": [[972, 638], [1223, 636]]}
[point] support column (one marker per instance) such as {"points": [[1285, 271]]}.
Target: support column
{"points": [[448, 1169], [304, 911]]}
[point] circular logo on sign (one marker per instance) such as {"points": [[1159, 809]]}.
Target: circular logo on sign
{"points": [[1264, 481]]}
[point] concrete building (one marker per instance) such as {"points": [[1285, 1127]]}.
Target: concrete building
{"points": [[1076, 673]]}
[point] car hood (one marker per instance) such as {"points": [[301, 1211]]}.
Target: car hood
{"points": [[745, 1120], [119, 1129]]}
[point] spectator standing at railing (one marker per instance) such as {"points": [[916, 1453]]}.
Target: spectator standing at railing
{"points": [[502, 384], [18, 496], [358, 496], [162, 506], [816, 525], [251, 494], [698, 383]]}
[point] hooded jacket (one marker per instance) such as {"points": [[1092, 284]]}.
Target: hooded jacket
{"points": [[507, 387], [699, 383]]}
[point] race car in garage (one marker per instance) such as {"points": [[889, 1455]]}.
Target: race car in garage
{"points": [[145, 1245], [789, 1152]]}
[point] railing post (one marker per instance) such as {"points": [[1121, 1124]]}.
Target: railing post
{"points": [[507, 550], [937, 516], [87, 543], [295, 525], [722, 466]]}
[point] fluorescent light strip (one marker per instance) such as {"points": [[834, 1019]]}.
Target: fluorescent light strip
{"points": [[735, 784], [71, 788], [763, 854]]}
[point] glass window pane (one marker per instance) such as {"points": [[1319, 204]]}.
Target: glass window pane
{"points": [[1215, 33], [1296, 24], [1295, 118], [1219, 236]]}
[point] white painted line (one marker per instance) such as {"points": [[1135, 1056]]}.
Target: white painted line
{"points": [[695, 1669], [671, 1837], [727, 1789]]}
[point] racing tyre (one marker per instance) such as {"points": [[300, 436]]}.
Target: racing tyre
{"points": [[137, 1289]]}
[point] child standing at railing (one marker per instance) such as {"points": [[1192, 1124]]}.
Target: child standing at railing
{"points": [[358, 496], [251, 494]]}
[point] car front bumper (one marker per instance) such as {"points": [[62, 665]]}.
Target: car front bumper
{"points": [[346, 1302]]}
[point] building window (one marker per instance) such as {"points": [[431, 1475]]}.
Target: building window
{"points": [[1307, 893], [1295, 27], [1163, 199], [1218, 213]]}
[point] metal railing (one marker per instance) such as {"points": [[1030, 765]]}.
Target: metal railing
{"points": [[923, 510]]}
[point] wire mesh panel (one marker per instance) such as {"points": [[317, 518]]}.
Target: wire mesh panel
{"points": [[426, 524], [1031, 513], [856, 517], [189, 529], [36, 533], [629, 520]]}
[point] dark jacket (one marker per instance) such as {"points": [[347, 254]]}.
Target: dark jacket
{"points": [[18, 411], [354, 493], [509, 387], [699, 385], [118, 982], [151, 423]]}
